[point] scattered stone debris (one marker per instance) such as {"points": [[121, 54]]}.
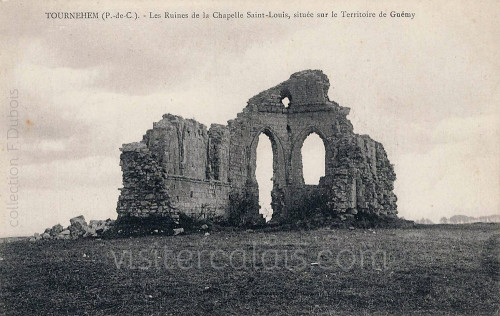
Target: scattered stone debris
{"points": [[77, 229], [178, 231]]}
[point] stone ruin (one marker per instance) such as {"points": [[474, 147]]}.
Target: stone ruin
{"points": [[181, 167], [78, 228]]}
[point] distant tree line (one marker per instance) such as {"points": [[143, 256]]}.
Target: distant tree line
{"points": [[424, 221], [463, 219]]}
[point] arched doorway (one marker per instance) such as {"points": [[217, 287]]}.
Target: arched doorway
{"points": [[272, 173], [313, 159], [264, 175], [317, 155]]}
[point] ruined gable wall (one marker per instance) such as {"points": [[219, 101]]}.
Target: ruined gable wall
{"points": [[209, 172], [358, 175]]}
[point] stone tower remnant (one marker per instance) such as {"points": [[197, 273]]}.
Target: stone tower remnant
{"points": [[180, 166]]}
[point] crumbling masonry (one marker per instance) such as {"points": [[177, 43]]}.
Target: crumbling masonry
{"points": [[181, 167]]}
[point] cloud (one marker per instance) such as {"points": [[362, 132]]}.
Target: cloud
{"points": [[94, 171], [459, 175]]}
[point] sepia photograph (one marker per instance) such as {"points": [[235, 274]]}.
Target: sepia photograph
{"points": [[250, 157]]}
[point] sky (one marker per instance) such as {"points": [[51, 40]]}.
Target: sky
{"points": [[427, 88]]}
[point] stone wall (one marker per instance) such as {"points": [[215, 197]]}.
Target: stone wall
{"points": [[185, 162], [203, 168], [200, 199], [180, 146], [145, 190]]}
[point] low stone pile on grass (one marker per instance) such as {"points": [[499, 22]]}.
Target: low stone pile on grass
{"points": [[78, 228], [123, 227]]}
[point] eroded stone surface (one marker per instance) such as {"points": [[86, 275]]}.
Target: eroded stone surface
{"points": [[181, 167]]}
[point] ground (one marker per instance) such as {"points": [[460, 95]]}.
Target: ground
{"points": [[438, 269]]}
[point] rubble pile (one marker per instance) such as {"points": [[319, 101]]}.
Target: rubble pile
{"points": [[78, 228]]}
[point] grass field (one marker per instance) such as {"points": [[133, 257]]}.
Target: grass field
{"points": [[440, 269]]}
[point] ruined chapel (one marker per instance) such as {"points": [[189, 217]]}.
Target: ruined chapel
{"points": [[180, 166]]}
